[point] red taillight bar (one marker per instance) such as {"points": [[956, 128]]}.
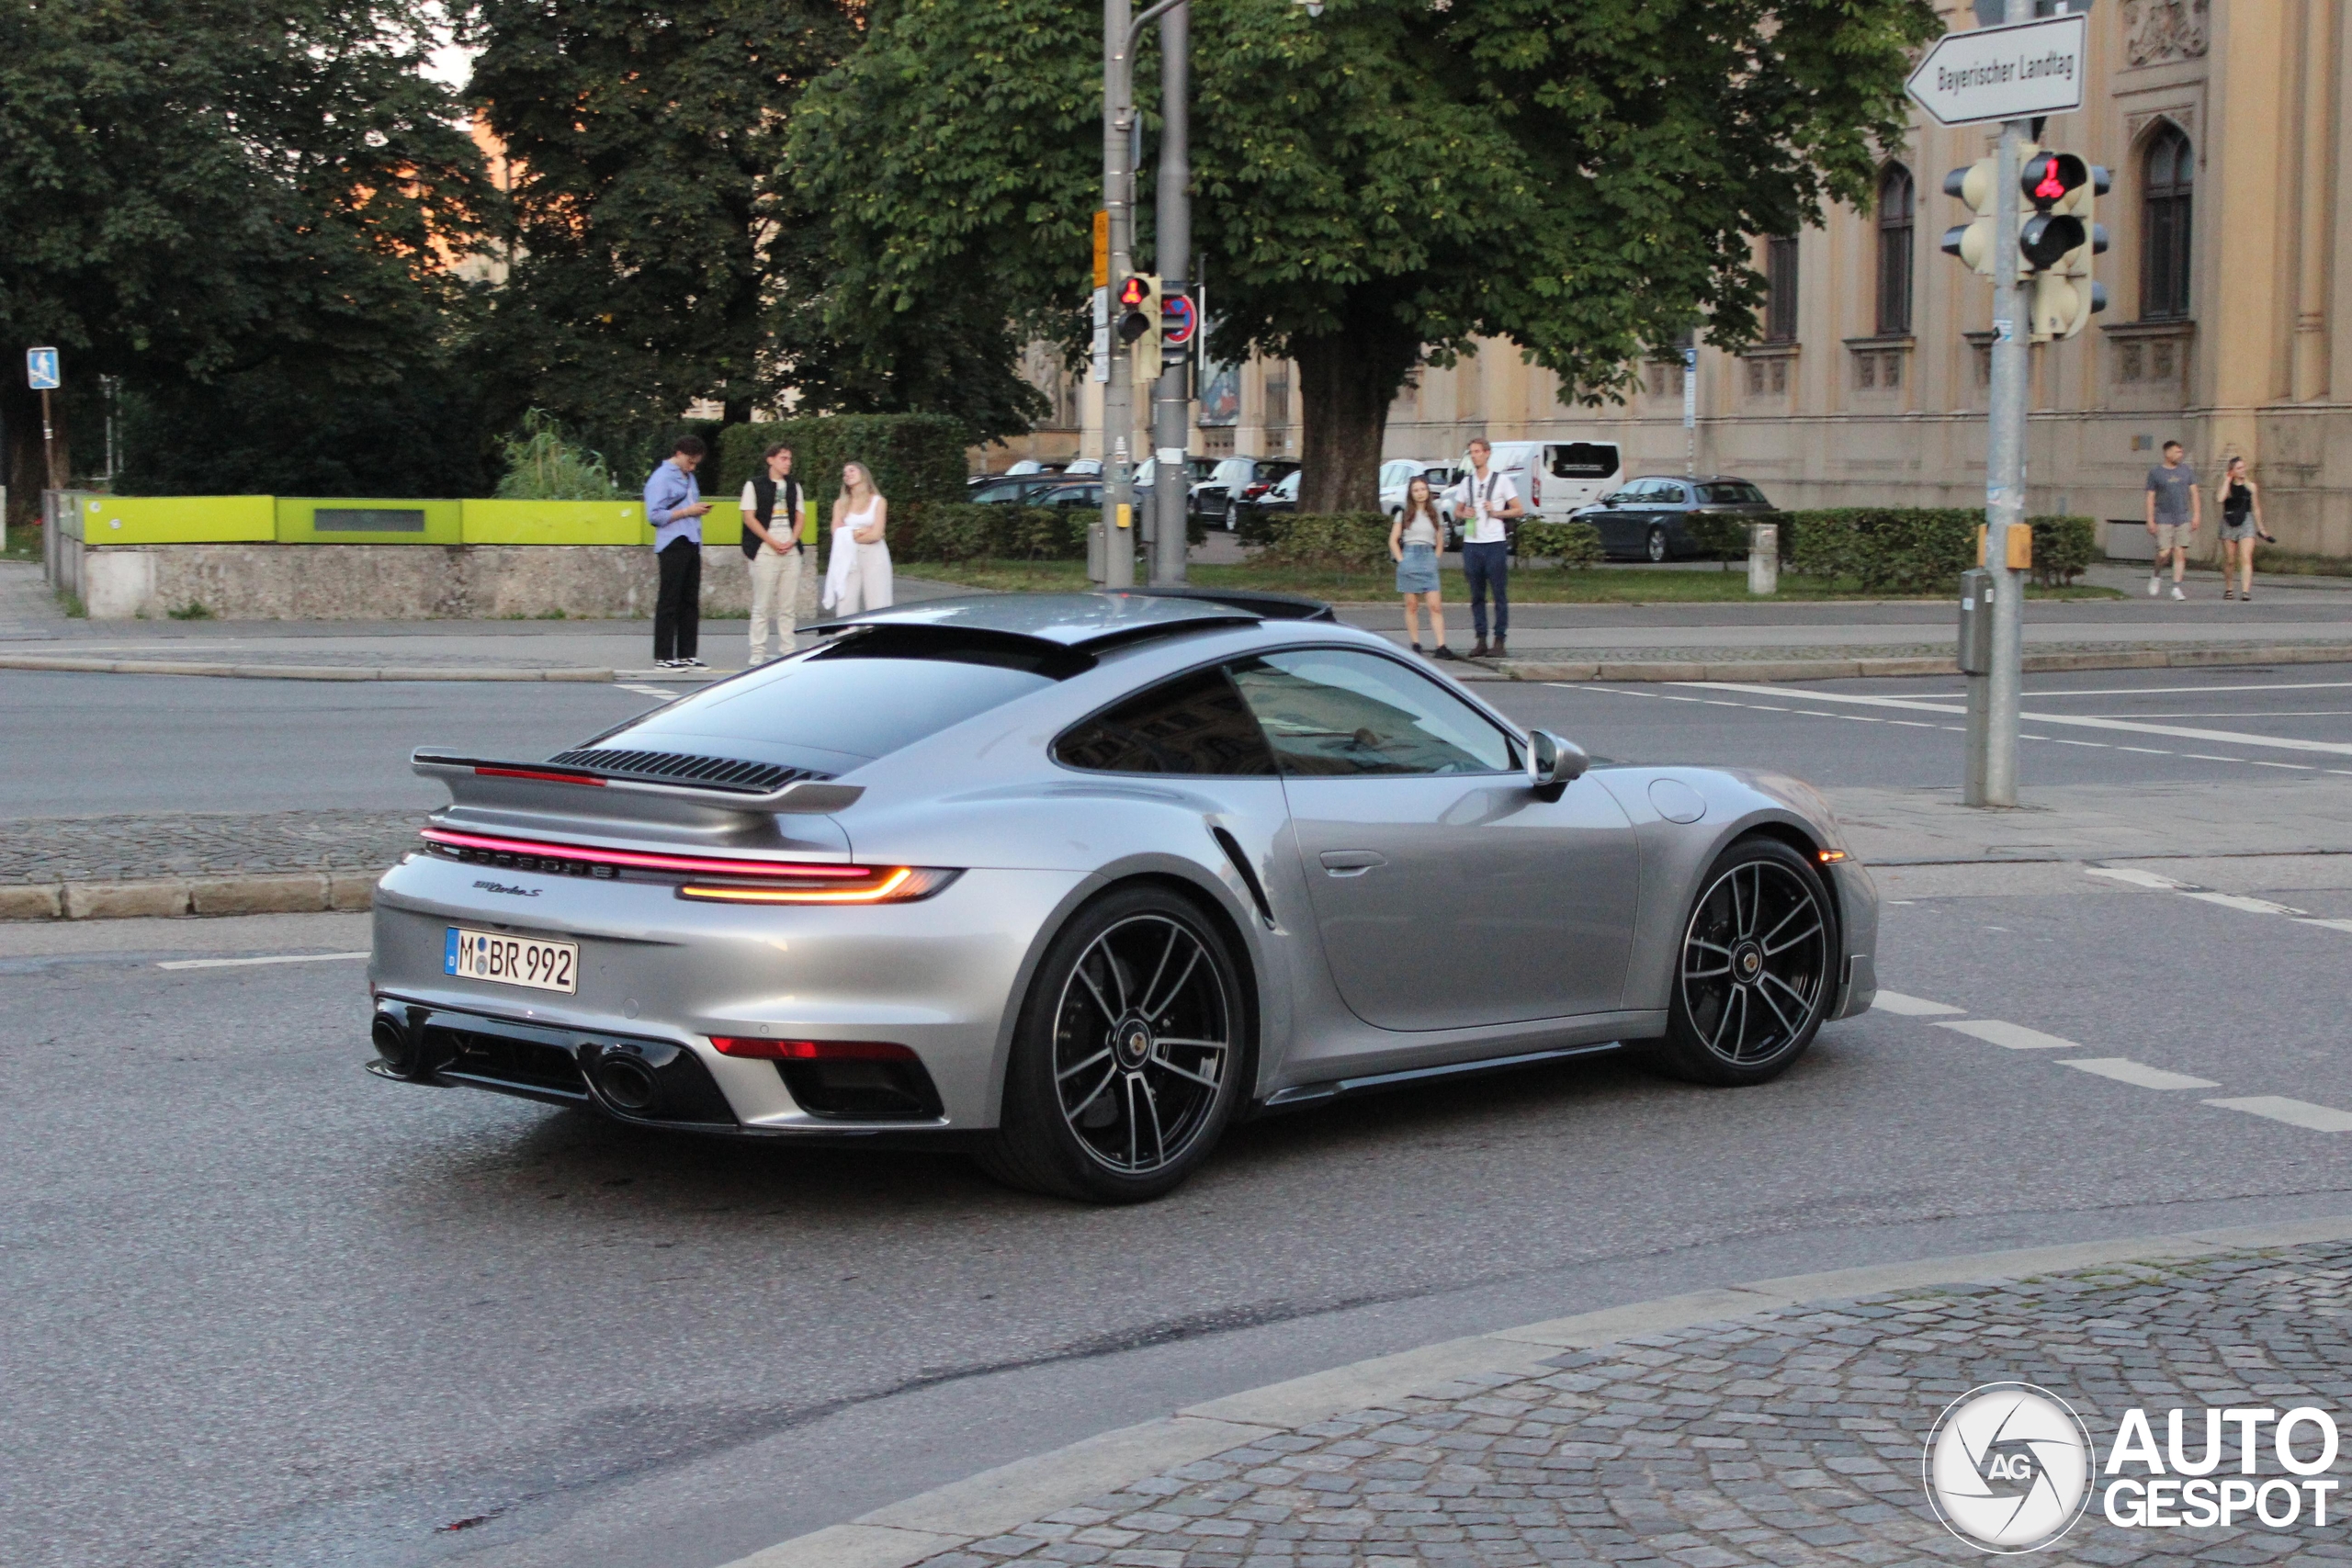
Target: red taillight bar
{"points": [[694, 864], [546, 776], [811, 1050]]}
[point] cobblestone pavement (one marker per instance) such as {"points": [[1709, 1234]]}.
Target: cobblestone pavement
{"points": [[1793, 1438], [131, 848]]}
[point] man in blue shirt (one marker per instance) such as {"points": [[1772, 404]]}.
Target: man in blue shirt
{"points": [[674, 504]]}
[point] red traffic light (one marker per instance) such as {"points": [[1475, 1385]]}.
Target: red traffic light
{"points": [[1134, 292]]}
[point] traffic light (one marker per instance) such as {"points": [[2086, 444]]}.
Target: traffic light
{"points": [[1139, 329], [1973, 243], [2068, 315]]}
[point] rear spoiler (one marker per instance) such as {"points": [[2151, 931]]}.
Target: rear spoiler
{"points": [[805, 798]]}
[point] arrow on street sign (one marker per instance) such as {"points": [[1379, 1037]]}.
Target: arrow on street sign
{"points": [[40, 369], [2015, 72]]}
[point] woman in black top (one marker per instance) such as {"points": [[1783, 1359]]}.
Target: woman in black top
{"points": [[2240, 502]]}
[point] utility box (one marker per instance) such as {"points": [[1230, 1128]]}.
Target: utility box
{"points": [[1976, 622]]}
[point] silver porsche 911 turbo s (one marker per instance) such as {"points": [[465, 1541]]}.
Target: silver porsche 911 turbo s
{"points": [[1075, 880]]}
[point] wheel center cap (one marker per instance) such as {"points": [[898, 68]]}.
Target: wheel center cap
{"points": [[1132, 1040], [1747, 961]]}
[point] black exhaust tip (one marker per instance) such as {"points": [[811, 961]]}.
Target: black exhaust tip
{"points": [[396, 1045], [626, 1082]]}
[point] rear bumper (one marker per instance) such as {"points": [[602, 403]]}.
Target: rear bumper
{"points": [[659, 977]]}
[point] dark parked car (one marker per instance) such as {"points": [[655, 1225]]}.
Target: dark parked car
{"points": [[1019, 491], [1277, 500], [1217, 499], [1653, 519]]}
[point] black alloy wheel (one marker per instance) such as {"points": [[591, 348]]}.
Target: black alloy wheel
{"points": [[1655, 546], [1756, 968], [1128, 1059]]}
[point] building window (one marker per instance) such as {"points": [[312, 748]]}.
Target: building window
{"points": [[1896, 231], [2168, 174], [1781, 289]]}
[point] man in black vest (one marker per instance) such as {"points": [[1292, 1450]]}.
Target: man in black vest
{"points": [[772, 543]]}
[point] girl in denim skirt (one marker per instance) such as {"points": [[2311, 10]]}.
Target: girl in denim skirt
{"points": [[1413, 540]]}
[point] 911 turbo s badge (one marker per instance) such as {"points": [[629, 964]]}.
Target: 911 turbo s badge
{"points": [[502, 887]]}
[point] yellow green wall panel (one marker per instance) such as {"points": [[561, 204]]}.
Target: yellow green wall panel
{"points": [[178, 519], [555, 523], [315, 519]]}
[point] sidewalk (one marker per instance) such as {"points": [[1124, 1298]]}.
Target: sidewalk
{"points": [[1780, 1422]]}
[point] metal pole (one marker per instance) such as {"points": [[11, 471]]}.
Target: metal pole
{"points": [[1993, 771], [1118, 393], [1172, 410], [49, 445]]}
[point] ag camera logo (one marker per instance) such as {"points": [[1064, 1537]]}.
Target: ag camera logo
{"points": [[2008, 1467]]}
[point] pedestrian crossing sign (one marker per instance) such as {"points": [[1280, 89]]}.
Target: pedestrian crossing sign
{"points": [[40, 369]]}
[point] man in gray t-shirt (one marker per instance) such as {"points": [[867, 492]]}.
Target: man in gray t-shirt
{"points": [[2175, 509]]}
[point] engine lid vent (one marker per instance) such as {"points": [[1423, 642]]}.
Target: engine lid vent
{"points": [[679, 767]]}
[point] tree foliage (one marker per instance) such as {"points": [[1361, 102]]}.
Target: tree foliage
{"points": [[1375, 189], [225, 187]]}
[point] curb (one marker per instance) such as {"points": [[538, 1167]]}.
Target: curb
{"points": [[271, 893], [293, 672], [1853, 669], [987, 1505]]}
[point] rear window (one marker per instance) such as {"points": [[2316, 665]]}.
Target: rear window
{"points": [[851, 701], [1583, 460]]}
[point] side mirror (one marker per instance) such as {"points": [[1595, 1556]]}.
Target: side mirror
{"points": [[1553, 763]]}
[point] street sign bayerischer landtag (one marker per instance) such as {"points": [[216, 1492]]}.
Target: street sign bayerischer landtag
{"points": [[2014, 72], [40, 369]]}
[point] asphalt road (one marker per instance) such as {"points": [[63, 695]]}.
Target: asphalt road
{"points": [[261, 1308]]}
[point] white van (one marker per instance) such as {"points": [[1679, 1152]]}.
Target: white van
{"points": [[1555, 478]]}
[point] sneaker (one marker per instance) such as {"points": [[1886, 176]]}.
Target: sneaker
{"points": [[1417, 648], [1446, 653], [692, 664], [2153, 583], [2229, 593], [2177, 592], [669, 664]]}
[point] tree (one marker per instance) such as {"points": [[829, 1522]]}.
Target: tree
{"points": [[224, 187], [645, 141], [1376, 188]]}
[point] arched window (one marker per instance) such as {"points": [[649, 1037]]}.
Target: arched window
{"points": [[2166, 173], [1895, 231]]}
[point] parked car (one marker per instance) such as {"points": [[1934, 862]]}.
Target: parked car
{"points": [[1399, 472], [1196, 470], [1076, 882], [1086, 467], [1279, 499], [1213, 499], [1650, 518], [1069, 495], [1020, 491]]}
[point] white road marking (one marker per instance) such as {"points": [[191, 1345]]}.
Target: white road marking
{"points": [[1918, 724], [242, 962], [2162, 884], [2064, 741], [2325, 925], [667, 696], [2294, 1112], [1909, 1006], [2137, 878], [2258, 763], [2166, 690], [2016, 1036], [2133, 727], [2123, 1069], [2250, 906]]}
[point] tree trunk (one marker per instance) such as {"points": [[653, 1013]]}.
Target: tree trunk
{"points": [[1346, 382]]}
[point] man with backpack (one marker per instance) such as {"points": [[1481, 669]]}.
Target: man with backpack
{"points": [[1483, 503], [772, 543]]}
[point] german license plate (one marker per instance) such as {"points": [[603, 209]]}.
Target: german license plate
{"points": [[512, 960]]}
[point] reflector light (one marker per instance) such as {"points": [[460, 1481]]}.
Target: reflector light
{"points": [[1831, 857], [811, 1050], [701, 864], [548, 775]]}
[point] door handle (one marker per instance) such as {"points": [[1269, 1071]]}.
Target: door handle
{"points": [[1351, 863]]}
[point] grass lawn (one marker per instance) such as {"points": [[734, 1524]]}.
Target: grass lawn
{"points": [[1541, 585], [20, 544]]}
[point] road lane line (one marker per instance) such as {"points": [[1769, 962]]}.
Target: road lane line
{"points": [[2137, 878], [2015, 1036], [1909, 1006], [2325, 925], [2123, 1069], [2064, 741], [242, 962], [2294, 1112], [2233, 901], [2131, 727]]}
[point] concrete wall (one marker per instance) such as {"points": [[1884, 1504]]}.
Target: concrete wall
{"points": [[335, 582]]}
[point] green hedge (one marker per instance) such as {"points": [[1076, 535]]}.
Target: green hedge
{"points": [[1574, 544], [915, 457], [1338, 541], [960, 531], [2062, 548]]}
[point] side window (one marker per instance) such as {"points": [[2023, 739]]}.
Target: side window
{"points": [[1337, 712], [1193, 724], [1583, 460]]}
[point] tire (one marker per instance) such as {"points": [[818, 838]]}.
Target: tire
{"points": [[1655, 547], [1129, 1056], [1232, 517], [1762, 909]]}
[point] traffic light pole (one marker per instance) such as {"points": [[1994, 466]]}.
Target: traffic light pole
{"points": [[1991, 778], [1118, 199], [1172, 413]]}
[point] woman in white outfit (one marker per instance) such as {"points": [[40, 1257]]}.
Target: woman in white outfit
{"points": [[859, 575]]}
